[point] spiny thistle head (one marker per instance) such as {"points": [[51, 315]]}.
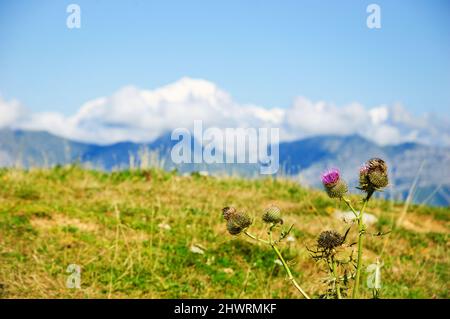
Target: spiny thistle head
{"points": [[272, 215], [329, 239], [228, 212], [373, 175], [237, 222], [364, 177], [333, 183]]}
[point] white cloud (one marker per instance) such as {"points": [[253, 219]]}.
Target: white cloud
{"points": [[306, 118], [379, 114], [10, 112], [133, 114]]}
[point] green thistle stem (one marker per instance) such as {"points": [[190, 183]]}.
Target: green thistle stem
{"points": [[256, 238], [286, 267], [288, 271], [336, 278], [361, 228], [349, 204]]}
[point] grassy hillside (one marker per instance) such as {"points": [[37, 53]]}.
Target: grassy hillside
{"points": [[138, 234]]}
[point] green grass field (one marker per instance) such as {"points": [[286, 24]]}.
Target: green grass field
{"points": [[138, 234]]}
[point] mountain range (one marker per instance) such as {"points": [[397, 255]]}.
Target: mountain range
{"points": [[409, 163]]}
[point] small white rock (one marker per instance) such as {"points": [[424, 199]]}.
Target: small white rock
{"points": [[290, 238], [197, 250], [228, 270], [278, 262], [165, 226]]}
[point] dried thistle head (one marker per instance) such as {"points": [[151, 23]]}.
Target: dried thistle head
{"points": [[333, 183], [327, 244], [272, 215], [329, 240], [373, 175], [237, 222]]}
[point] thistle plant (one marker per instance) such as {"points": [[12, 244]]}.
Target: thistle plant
{"points": [[373, 176], [329, 244], [239, 222]]}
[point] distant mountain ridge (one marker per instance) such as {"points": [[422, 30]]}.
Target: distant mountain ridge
{"points": [[305, 159]]}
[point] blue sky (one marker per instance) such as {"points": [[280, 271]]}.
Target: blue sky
{"points": [[261, 52]]}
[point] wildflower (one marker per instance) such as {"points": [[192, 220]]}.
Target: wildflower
{"points": [[272, 215], [237, 222], [373, 175], [334, 185]]}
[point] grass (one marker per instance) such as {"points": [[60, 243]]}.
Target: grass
{"points": [[132, 232]]}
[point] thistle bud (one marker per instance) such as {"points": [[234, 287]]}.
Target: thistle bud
{"points": [[236, 221], [373, 175], [272, 215], [228, 212], [334, 185], [329, 239]]}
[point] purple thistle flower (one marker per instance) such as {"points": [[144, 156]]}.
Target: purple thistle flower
{"points": [[334, 185], [331, 177]]}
